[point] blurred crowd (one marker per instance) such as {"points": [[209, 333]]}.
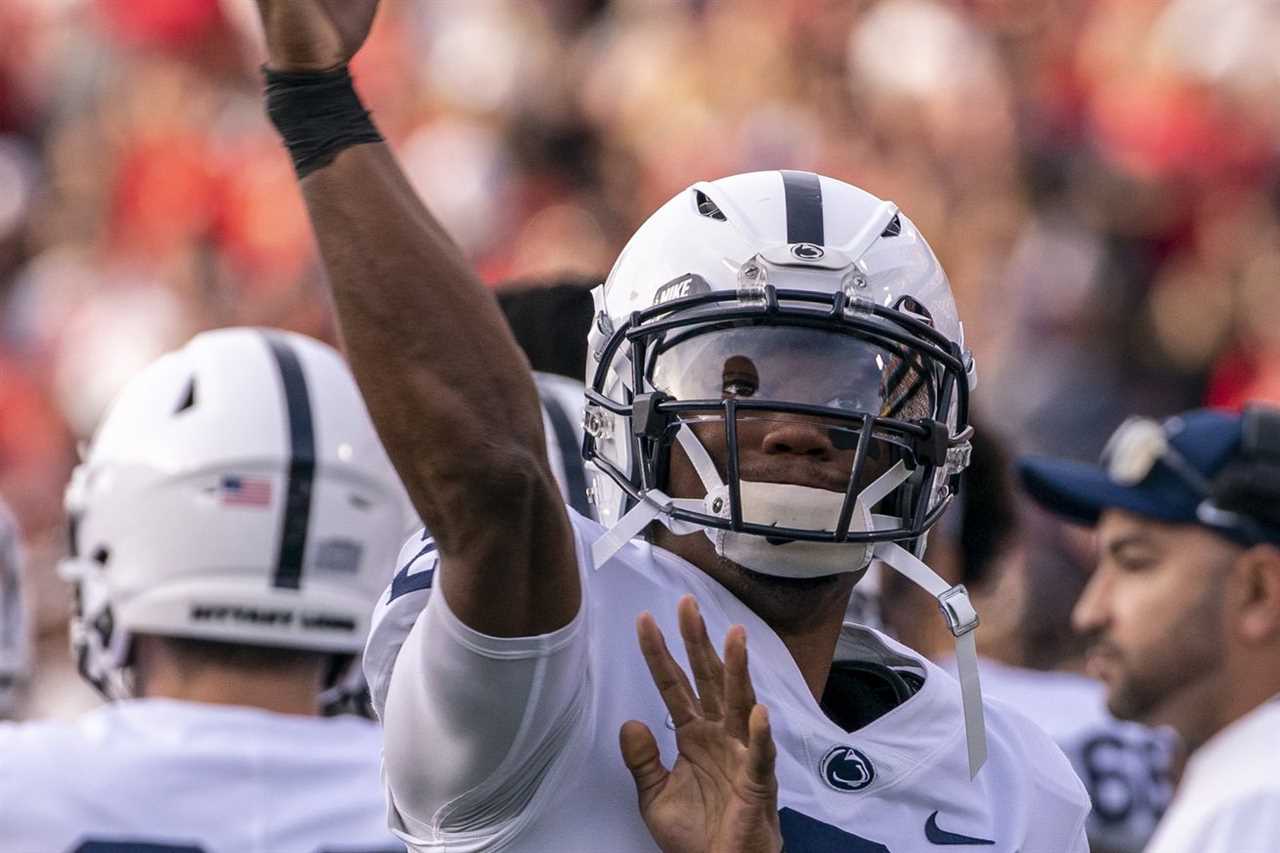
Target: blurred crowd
{"points": [[1099, 178]]}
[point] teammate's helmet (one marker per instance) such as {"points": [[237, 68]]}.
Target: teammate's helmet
{"points": [[15, 648], [236, 492], [779, 296]]}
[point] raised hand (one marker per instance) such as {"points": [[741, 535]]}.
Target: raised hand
{"points": [[314, 35], [721, 795]]}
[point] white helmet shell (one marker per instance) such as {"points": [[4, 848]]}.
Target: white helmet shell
{"points": [[235, 491], [714, 227], [792, 230]]}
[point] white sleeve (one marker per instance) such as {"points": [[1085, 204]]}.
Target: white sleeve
{"points": [[1080, 844], [474, 724], [1251, 822]]}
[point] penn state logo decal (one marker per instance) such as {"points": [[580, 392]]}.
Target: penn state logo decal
{"points": [[807, 251], [846, 769]]}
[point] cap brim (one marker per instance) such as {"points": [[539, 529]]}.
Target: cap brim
{"points": [[1080, 492]]}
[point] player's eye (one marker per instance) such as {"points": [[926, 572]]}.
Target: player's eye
{"points": [[740, 377]]}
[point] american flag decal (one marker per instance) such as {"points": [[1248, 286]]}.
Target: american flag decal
{"points": [[245, 491]]}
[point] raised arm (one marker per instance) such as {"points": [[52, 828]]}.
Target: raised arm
{"points": [[448, 388]]}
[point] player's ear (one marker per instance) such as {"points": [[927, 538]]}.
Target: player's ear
{"points": [[1258, 570]]}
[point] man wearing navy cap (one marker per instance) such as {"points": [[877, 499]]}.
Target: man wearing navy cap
{"points": [[1183, 610]]}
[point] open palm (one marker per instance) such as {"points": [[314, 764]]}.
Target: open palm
{"points": [[721, 795]]}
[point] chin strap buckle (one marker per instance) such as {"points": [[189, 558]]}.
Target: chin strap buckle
{"points": [[958, 610], [962, 619]]}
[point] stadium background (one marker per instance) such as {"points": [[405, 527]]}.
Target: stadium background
{"points": [[1099, 178]]}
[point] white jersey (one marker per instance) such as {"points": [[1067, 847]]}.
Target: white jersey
{"points": [[1126, 767], [1229, 797], [158, 775], [512, 743]]}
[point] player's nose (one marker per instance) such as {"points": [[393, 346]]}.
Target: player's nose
{"points": [[799, 436]]}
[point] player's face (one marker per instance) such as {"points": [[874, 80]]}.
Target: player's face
{"points": [[1153, 611], [797, 366]]}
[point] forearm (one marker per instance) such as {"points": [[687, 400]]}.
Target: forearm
{"points": [[435, 361], [450, 393]]}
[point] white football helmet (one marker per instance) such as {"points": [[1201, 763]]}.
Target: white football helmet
{"points": [[747, 304], [236, 492], [15, 646], [780, 294]]}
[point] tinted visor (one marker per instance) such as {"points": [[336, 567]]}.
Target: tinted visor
{"points": [[796, 364]]}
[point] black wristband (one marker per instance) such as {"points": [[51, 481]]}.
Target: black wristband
{"points": [[317, 115]]}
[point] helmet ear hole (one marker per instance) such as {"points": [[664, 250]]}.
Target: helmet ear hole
{"points": [[101, 555]]}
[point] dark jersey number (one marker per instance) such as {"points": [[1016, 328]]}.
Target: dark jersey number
{"points": [[804, 834], [403, 582], [1125, 776]]}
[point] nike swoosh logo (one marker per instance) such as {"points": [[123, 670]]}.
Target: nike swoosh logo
{"points": [[941, 836]]}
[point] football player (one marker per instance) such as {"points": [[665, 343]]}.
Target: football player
{"points": [[15, 648], [230, 531], [1183, 609], [777, 378]]}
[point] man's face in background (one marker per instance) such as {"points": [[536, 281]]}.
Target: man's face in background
{"points": [[1153, 614]]}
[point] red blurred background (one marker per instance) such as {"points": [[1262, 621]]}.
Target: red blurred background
{"points": [[1099, 178]]}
